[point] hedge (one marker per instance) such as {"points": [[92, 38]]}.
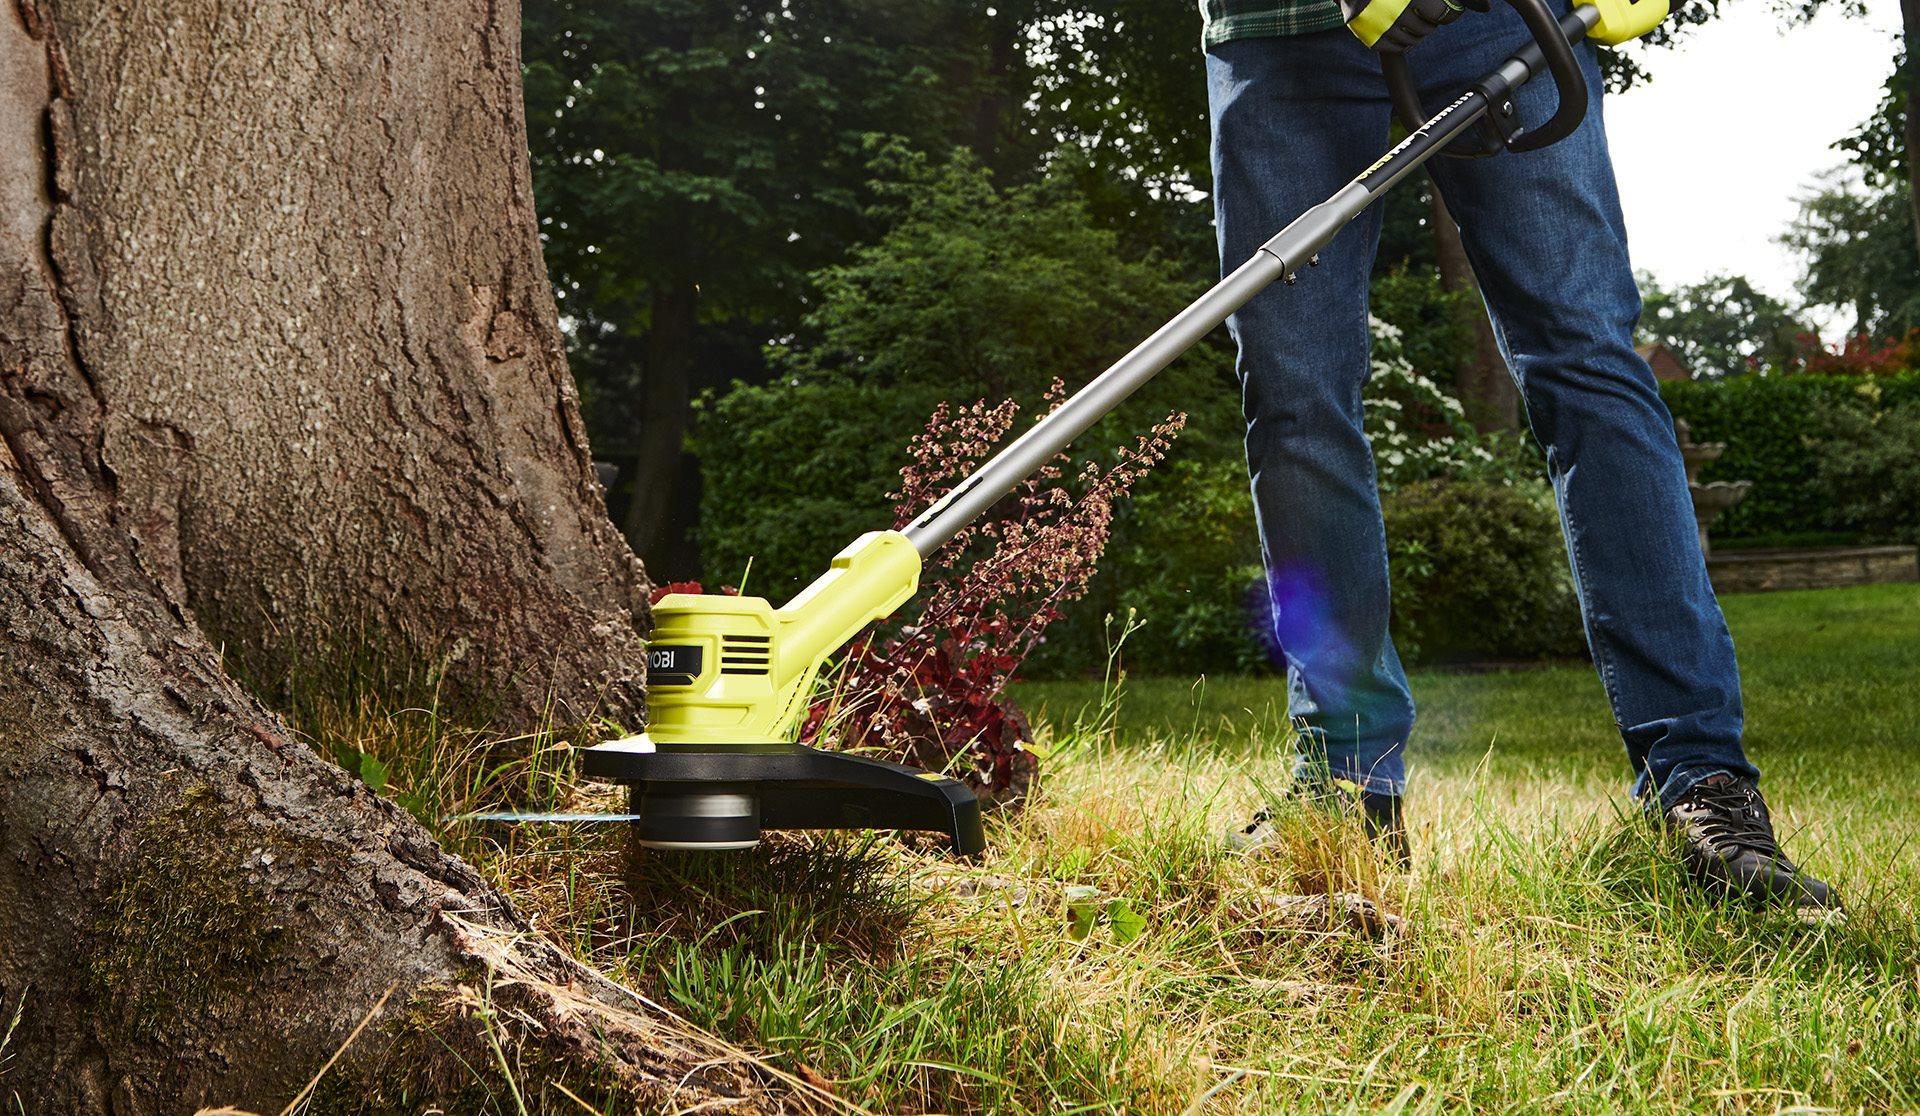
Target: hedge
{"points": [[1767, 422]]}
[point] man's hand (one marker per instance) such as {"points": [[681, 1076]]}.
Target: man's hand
{"points": [[1393, 26]]}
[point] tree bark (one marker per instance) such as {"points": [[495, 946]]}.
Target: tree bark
{"points": [[297, 255], [194, 908], [1485, 387]]}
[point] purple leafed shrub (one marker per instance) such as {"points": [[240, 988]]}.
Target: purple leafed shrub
{"points": [[933, 693]]}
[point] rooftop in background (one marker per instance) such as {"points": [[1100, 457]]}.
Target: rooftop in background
{"points": [[1665, 365]]}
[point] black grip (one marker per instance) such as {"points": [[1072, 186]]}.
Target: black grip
{"points": [[1551, 50], [1482, 141], [1401, 90], [1553, 45]]}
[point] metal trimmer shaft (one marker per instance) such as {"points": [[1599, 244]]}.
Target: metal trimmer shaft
{"points": [[1297, 245]]}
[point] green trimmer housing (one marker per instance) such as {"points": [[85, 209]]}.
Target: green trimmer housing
{"points": [[729, 679], [731, 676]]}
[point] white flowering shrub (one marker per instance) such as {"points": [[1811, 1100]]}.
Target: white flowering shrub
{"points": [[1478, 564], [1417, 428]]}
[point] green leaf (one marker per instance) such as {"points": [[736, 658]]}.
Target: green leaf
{"points": [[1127, 923], [373, 773], [1083, 909]]}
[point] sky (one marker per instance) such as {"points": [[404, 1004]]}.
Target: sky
{"points": [[1712, 154]]}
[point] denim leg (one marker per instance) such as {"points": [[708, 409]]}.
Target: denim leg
{"points": [[1545, 235], [1294, 119]]}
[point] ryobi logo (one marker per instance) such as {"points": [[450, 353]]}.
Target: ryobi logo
{"points": [[674, 664]]}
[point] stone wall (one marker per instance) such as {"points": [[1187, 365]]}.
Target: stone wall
{"points": [[1755, 571]]}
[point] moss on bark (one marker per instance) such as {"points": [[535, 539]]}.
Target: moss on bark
{"points": [[182, 931]]}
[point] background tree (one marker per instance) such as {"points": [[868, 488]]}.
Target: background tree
{"points": [[975, 292], [1124, 86], [694, 161], [1908, 75], [1859, 259], [1720, 326], [1887, 147], [1860, 232]]}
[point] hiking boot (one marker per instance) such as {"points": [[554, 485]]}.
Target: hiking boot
{"points": [[1380, 812], [1729, 846]]}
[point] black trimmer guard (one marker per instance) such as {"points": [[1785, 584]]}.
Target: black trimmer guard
{"points": [[718, 797]]}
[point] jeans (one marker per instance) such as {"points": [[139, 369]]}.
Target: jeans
{"points": [[1296, 117]]}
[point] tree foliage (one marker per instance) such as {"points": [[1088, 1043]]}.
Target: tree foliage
{"points": [[1857, 242], [720, 145], [975, 292], [1878, 145], [1860, 233], [1124, 85], [1721, 325], [723, 141]]}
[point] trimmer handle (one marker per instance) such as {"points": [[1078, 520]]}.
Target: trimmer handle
{"points": [[1552, 47], [1556, 47]]}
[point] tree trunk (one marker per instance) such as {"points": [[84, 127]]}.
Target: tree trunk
{"points": [[990, 110], [1910, 38], [673, 311], [297, 255], [1485, 387], [194, 908], [665, 399]]}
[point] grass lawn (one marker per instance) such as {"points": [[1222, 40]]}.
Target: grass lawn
{"points": [[1108, 954], [1832, 688]]}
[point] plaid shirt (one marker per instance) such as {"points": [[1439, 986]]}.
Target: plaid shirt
{"points": [[1253, 19]]}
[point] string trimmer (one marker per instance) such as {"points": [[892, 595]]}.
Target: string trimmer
{"points": [[730, 677]]}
